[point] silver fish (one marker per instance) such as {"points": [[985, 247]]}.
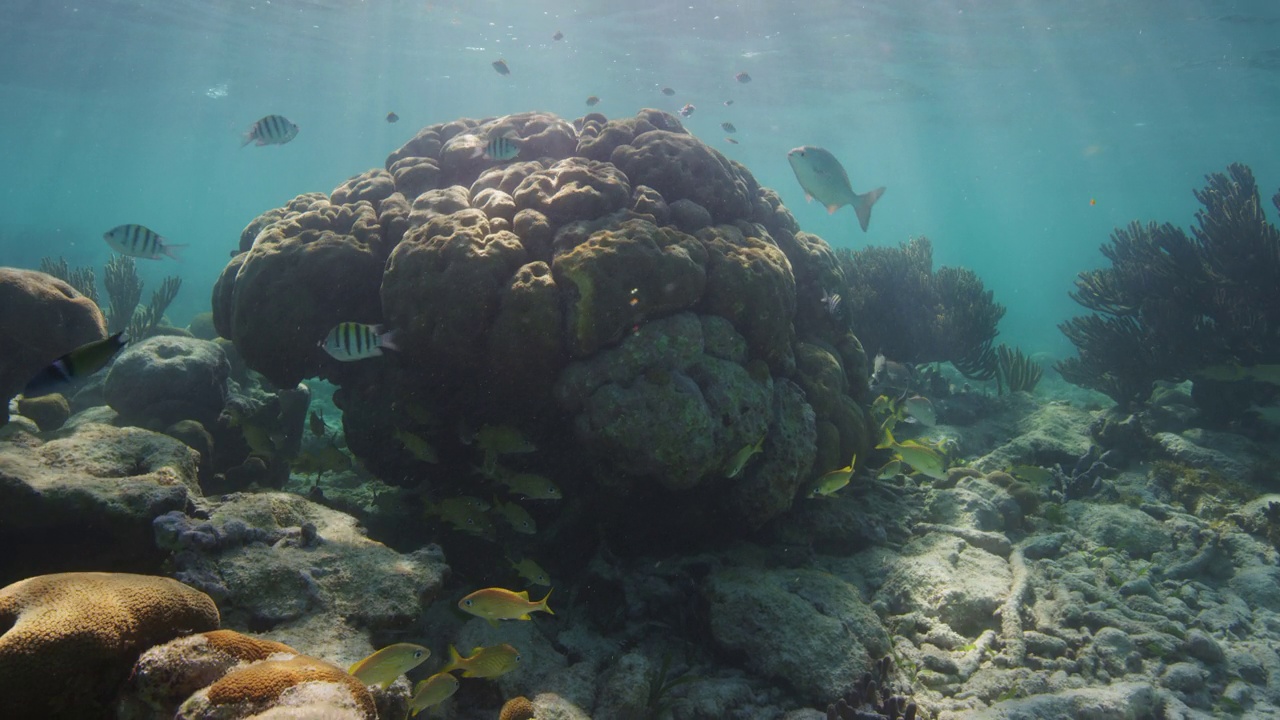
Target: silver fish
{"points": [[140, 242], [271, 130], [356, 341], [831, 301], [502, 148], [824, 179]]}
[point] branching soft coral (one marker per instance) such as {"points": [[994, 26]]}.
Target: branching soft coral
{"points": [[899, 306], [1172, 304]]}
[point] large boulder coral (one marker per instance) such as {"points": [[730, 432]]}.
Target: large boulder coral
{"points": [[305, 273], [681, 167], [41, 318], [621, 275], [166, 379], [574, 189], [69, 639], [309, 686]]}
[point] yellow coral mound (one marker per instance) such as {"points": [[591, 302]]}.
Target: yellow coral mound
{"points": [[67, 641], [259, 686], [517, 708]]}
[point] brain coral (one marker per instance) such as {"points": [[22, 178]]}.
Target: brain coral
{"points": [[168, 674], [526, 292], [270, 683], [69, 639]]}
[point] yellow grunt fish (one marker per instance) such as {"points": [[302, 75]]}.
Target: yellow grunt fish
{"points": [[384, 666], [494, 604], [922, 458], [740, 459], [531, 485], [485, 662], [432, 691], [517, 517], [531, 571], [833, 481]]}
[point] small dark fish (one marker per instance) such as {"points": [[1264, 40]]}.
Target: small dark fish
{"points": [[318, 427], [742, 77], [270, 130], [668, 91], [501, 66], [502, 148], [141, 242], [731, 141], [728, 127], [831, 301], [593, 100], [392, 117], [727, 103], [79, 363], [558, 36], [687, 110]]}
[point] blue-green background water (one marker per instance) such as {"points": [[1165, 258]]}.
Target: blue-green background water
{"points": [[993, 123]]}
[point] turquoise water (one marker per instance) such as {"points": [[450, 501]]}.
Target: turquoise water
{"points": [[993, 124]]}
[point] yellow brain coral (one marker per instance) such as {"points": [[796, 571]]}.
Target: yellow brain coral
{"points": [[517, 708], [260, 685], [67, 641]]}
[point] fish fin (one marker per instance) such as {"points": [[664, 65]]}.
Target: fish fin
{"points": [[172, 250], [542, 604], [523, 595], [832, 208], [863, 206], [808, 197], [493, 622], [387, 340], [248, 138], [525, 616]]}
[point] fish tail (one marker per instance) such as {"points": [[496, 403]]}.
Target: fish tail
{"points": [[888, 440], [455, 660], [542, 604], [387, 340], [248, 137], [863, 206], [173, 250]]}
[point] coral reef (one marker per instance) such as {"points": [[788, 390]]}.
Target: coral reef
{"points": [[69, 639], [1015, 372], [899, 306], [1173, 305], [310, 686], [497, 277], [81, 278], [41, 319]]}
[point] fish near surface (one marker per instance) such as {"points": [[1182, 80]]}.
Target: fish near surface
{"points": [[77, 364], [824, 179], [432, 691], [485, 662], [494, 604], [384, 666]]}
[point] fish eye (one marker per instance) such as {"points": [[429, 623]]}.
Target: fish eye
{"points": [[518, 658], [467, 603], [417, 654]]}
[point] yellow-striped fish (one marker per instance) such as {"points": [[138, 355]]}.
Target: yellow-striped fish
{"points": [[356, 341], [531, 571], [531, 485], [833, 481], [141, 242], [494, 604], [517, 517], [923, 459], [432, 691], [485, 662], [384, 666]]}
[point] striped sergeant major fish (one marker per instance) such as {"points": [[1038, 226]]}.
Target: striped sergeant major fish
{"points": [[140, 242], [356, 341], [502, 148], [271, 130], [75, 365]]}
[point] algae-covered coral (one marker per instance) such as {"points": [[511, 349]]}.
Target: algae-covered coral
{"points": [[504, 281]]}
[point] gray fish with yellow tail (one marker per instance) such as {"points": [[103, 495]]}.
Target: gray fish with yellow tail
{"points": [[825, 180]]}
